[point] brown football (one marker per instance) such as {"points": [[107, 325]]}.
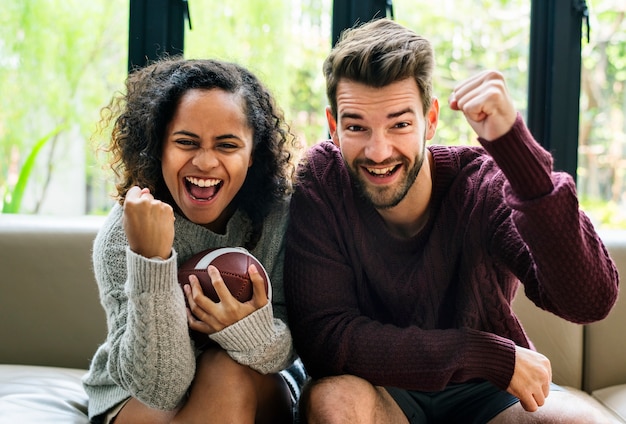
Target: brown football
{"points": [[233, 263]]}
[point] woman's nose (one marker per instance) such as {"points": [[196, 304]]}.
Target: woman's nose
{"points": [[205, 159]]}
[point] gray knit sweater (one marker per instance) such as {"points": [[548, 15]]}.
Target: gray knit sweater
{"points": [[148, 353]]}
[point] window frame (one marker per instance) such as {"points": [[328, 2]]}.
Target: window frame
{"points": [[156, 27], [554, 78]]}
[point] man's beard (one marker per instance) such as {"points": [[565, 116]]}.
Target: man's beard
{"points": [[387, 197]]}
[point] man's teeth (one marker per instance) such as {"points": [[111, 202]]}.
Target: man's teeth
{"points": [[380, 171], [202, 182]]}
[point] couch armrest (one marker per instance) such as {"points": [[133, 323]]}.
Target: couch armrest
{"points": [[49, 308]]}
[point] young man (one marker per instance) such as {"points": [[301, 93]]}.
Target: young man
{"points": [[402, 260]]}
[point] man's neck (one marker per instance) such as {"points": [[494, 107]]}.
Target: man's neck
{"points": [[410, 216]]}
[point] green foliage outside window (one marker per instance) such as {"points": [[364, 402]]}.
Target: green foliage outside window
{"points": [[602, 140], [60, 62]]}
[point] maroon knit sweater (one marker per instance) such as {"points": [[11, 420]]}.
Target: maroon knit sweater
{"points": [[435, 309]]}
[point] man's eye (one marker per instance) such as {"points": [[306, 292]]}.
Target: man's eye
{"points": [[402, 125], [354, 128]]}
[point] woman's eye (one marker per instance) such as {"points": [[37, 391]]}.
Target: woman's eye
{"points": [[185, 142], [227, 146]]}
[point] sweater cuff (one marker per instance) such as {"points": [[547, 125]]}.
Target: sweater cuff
{"points": [[247, 334], [525, 163], [493, 358], [151, 275]]}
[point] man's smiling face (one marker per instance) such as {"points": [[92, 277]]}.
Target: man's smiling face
{"points": [[382, 135]]}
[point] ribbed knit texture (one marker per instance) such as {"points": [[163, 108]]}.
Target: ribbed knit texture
{"points": [[425, 312], [148, 353]]}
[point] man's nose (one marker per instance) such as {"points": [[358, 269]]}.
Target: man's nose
{"points": [[379, 147]]}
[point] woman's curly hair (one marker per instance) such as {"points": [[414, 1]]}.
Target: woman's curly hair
{"points": [[141, 115]]}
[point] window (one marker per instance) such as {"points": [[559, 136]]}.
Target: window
{"points": [[284, 42], [495, 40], [60, 62], [601, 172]]}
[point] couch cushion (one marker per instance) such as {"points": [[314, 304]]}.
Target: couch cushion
{"points": [[614, 398], [42, 395]]}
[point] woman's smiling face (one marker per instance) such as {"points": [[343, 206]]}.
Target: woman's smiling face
{"points": [[207, 150]]}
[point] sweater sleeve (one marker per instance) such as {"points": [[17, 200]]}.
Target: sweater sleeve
{"points": [[262, 340], [571, 274], [259, 341], [150, 352]]}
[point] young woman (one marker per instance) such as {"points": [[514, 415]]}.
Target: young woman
{"points": [[204, 159]]}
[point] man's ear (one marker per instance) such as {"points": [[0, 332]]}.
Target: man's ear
{"points": [[332, 126], [432, 118]]}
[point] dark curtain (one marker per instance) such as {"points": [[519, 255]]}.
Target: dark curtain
{"points": [[156, 28], [348, 13]]}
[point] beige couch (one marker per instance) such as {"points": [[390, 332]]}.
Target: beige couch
{"points": [[51, 324], [51, 321]]}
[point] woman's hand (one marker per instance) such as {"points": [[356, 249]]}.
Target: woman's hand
{"points": [[207, 316], [148, 223]]}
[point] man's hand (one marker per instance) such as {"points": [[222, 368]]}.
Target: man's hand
{"points": [[485, 102], [531, 378], [148, 223]]}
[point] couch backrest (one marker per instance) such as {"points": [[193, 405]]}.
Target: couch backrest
{"points": [[561, 341], [49, 308], [50, 313], [605, 341], [585, 357]]}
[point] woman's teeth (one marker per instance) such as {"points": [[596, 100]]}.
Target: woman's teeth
{"points": [[203, 182]]}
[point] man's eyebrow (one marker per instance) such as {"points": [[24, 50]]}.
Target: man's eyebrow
{"points": [[350, 115], [353, 115], [400, 113]]}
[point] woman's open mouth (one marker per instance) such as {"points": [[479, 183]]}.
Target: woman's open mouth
{"points": [[202, 189]]}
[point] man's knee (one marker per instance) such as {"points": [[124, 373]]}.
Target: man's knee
{"points": [[335, 399]]}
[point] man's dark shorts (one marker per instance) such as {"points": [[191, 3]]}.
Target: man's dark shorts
{"points": [[468, 403]]}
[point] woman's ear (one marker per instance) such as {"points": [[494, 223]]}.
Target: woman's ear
{"points": [[332, 125]]}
